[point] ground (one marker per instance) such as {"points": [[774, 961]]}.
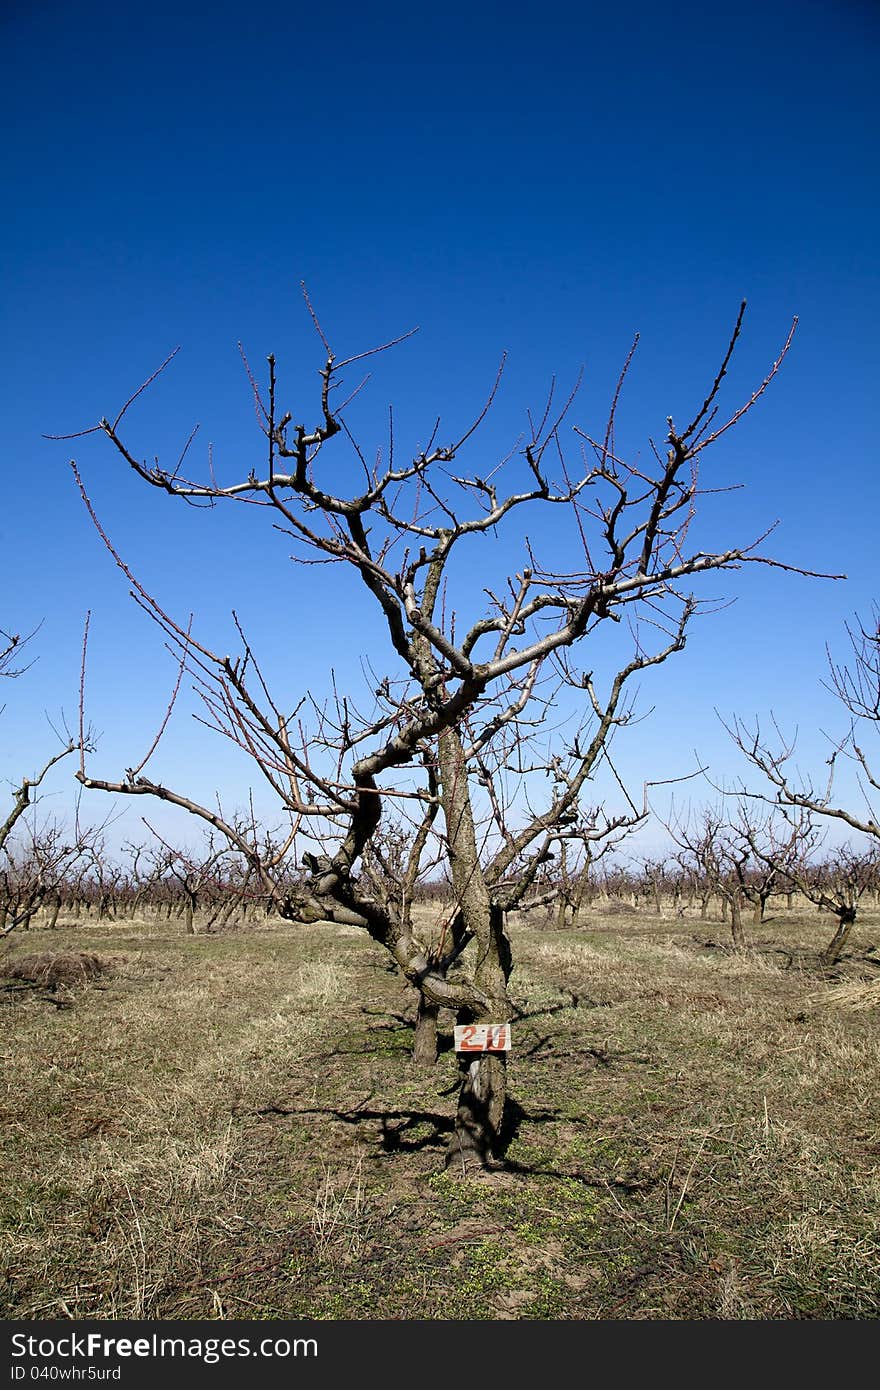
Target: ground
{"points": [[230, 1126]]}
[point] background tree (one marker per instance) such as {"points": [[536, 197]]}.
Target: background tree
{"points": [[33, 865], [801, 800], [11, 647], [744, 859], [857, 686], [574, 881], [835, 883], [449, 731], [719, 858]]}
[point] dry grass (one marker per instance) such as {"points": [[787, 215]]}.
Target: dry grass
{"points": [[53, 968], [339, 1216], [230, 1126], [862, 995]]}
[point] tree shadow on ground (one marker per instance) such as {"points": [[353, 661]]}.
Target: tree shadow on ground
{"points": [[415, 1131], [401, 1131], [398, 1129], [574, 1001]]}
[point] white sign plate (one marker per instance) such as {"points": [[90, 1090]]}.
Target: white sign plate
{"points": [[483, 1037]]}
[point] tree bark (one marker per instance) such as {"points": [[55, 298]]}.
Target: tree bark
{"points": [[424, 1051], [484, 1083], [831, 954], [736, 927], [480, 1111]]}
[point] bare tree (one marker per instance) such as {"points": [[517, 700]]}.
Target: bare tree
{"points": [[198, 876], [30, 870], [34, 867], [775, 844], [742, 860], [449, 734], [575, 881], [653, 881], [837, 886], [835, 883], [11, 645], [857, 686], [719, 858]]}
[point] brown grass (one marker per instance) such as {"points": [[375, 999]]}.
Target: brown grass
{"points": [[861, 995], [53, 968], [230, 1127]]}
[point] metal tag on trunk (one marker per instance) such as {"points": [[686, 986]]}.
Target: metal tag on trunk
{"points": [[483, 1037]]}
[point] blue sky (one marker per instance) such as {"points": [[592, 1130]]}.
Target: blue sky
{"points": [[508, 179]]}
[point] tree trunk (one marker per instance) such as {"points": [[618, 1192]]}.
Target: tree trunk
{"points": [[232, 906], [758, 915], [736, 927], [480, 1111], [424, 1051], [831, 954], [484, 1083]]}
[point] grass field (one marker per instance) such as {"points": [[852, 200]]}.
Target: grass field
{"points": [[230, 1126]]}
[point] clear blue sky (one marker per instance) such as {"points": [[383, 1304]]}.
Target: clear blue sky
{"points": [[541, 181]]}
